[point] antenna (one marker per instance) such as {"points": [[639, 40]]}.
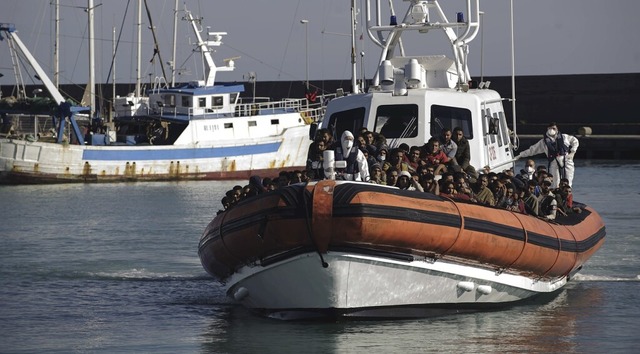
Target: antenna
{"points": [[252, 77], [231, 61], [513, 79]]}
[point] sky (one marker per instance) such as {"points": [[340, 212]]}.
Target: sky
{"points": [[552, 37]]}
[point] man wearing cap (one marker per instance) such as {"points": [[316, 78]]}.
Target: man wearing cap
{"points": [[560, 149], [407, 182], [376, 174]]}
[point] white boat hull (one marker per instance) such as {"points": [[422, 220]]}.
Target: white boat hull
{"points": [[360, 286], [22, 161]]}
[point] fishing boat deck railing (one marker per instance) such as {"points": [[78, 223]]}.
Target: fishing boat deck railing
{"points": [[283, 106], [312, 111], [33, 126]]}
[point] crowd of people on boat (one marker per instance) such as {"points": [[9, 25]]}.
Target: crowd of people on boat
{"points": [[440, 167]]}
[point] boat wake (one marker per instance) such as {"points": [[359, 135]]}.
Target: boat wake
{"points": [[590, 277], [146, 275]]}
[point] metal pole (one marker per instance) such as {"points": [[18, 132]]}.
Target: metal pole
{"points": [[363, 84], [92, 73], [175, 39], [306, 49], [113, 87], [513, 71], [138, 48], [354, 81], [481, 46], [56, 49]]}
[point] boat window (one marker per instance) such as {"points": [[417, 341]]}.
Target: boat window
{"points": [[505, 128], [397, 121], [498, 127], [485, 128], [275, 121], [202, 102], [252, 123], [186, 101], [233, 98], [216, 101], [228, 125], [450, 118], [351, 120], [169, 100], [490, 125]]}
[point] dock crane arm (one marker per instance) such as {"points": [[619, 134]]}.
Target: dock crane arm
{"points": [[10, 31], [64, 109]]}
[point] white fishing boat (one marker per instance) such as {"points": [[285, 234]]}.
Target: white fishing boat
{"points": [[347, 249], [200, 130]]}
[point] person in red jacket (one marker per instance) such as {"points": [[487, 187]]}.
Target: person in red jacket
{"points": [[435, 156]]}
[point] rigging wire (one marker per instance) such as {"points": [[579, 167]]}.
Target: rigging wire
{"points": [[80, 48], [245, 54], [34, 31], [113, 57], [156, 49], [286, 48]]}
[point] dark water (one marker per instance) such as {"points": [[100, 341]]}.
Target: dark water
{"points": [[114, 268]]}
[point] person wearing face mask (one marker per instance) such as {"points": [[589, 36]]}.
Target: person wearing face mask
{"points": [[382, 154], [357, 167], [526, 174], [559, 149], [529, 170]]}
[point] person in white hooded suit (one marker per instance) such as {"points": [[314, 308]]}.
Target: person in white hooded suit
{"points": [[357, 167], [560, 149]]}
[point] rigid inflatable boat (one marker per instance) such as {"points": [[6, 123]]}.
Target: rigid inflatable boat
{"points": [[334, 248], [356, 249]]}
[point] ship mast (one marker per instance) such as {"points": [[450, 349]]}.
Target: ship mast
{"points": [[92, 72], [56, 49], [175, 41], [354, 74], [214, 39], [138, 48]]}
